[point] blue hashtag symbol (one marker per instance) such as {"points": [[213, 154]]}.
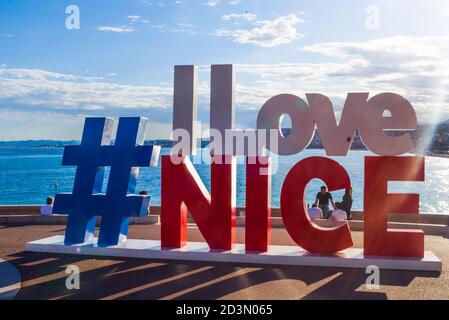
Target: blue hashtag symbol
{"points": [[119, 203]]}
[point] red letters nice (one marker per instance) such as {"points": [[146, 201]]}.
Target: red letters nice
{"points": [[215, 212]]}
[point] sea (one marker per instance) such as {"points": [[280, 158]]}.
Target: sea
{"points": [[30, 175]]}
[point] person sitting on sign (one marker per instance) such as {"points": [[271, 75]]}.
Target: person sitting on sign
{"points": [[322, 200], [315, 213], [338, 214], [47, 210]]}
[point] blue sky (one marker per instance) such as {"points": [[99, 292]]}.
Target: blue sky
{"points": [[120, 61]]}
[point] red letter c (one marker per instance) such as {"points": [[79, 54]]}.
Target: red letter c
{"points": [[301, 228]]}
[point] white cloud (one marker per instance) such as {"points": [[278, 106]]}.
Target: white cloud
{"points": [[25, 125], [92, 107], [44, 90], [116, 29], [234, 2], [135, 18], [415, 67], [16, 125], [245, 16], [185, 25], [266, 33], [212, 3], [381, 50]]}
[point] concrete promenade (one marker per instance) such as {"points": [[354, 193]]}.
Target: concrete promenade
{"points": [[431, 224], [43, 275]]}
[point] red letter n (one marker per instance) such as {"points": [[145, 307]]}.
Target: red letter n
{"points": [[258, 204], [214, 215]]}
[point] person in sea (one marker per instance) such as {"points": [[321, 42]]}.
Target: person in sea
{"points": [[315, 213], [346, 204], [47, 210], [338, 214], [323, 198]]}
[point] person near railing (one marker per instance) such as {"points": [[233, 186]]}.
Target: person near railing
{"points": [[47, 209]]}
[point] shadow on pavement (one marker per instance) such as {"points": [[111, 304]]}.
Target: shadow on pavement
{"points": [[44, 277]]}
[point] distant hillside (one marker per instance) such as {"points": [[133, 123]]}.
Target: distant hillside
{"points": [[37, 143], [60, 144]]}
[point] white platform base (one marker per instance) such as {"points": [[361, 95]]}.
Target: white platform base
{"points": [[197, 251]]}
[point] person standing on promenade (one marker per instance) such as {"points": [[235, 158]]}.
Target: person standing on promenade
{"points": [[322, 200], [145, 193], [346, 204]]}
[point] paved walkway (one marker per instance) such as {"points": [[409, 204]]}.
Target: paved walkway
{"points": [[9, 280], [43, 275]]}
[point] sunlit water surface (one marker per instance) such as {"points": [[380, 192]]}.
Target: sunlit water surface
{"points": [[28, 176]]}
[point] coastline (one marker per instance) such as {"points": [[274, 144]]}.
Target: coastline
{"points": [[61, 147]]}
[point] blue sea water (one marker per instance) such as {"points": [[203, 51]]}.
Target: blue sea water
{"points": [[29, 175]]}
